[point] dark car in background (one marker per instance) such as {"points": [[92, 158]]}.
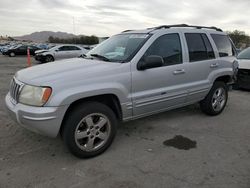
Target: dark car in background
{"points": [[243, 76], [20, 50]]}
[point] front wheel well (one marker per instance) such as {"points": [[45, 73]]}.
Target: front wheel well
{"points": [[110, 100]]}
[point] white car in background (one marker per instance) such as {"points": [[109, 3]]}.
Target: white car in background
{"points": [[243, 76], [59, 52]]}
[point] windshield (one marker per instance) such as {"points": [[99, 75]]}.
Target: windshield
{"points": [[245, 54], [53, 48], [15, 46], [50, 47], [119, 48]]}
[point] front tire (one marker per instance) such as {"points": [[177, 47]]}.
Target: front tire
{"points": [[89, 129], [12, 54], [49, 58], [216, 100]]}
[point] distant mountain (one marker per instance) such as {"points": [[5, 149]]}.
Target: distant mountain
{"points": [[43, 36]]}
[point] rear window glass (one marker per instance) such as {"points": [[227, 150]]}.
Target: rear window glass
{"points": [[210, 51], [223, 45], [199, 47]]}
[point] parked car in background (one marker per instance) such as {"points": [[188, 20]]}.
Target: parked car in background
{"points": [[20, 50], [42, 46], [243, 76], [2, 46], [59, 52], [5, 48]]}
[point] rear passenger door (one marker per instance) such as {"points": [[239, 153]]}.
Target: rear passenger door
{"points": [[201, 61]]}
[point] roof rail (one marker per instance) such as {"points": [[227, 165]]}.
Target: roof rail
{"points": [[185, 25], [126, 31]]}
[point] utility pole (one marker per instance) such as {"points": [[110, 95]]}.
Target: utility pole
{"points": [[74, 29]]}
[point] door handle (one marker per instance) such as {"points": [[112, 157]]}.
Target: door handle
{"points": [[214, 65], [181, 71]]}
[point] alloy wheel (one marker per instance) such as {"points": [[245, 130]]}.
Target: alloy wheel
{"points": [[92, 132], [219, 99]]}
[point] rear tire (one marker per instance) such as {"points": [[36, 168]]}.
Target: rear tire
{"points": [[216, 99], [89, 129]]}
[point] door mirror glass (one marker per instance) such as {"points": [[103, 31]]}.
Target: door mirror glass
{"points": [[151, 61]]}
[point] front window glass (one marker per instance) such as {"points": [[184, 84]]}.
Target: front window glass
{"points": [[119, 48], [75, 48], [64, 48], [23, 47], [168, 47]]}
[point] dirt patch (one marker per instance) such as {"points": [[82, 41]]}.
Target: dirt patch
{"points": [[180, 142]]}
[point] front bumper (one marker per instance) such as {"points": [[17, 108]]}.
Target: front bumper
{"points": [[243, 79], [40, 57], [43, 120]]}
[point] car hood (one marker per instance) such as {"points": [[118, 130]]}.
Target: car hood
{"points": [[64, 70], [244, 63], [40, 51]]}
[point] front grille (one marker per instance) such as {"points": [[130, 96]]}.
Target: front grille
{"points": [[14, 89], [243, 76], [244, 72]]}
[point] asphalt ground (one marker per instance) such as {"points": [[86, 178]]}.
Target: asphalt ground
{"points": [[209, 152]]}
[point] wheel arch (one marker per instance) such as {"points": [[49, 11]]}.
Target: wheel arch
{"points": [[227, 79], [9, 52], [111, 100]]}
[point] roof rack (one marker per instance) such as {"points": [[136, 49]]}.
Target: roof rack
{"points": [[126, 31], [185, 25]]}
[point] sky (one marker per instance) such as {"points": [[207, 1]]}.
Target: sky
{"points": [[108, 17]]}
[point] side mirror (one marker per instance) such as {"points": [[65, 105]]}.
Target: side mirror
{"points": [[57, 50], [149, 62]]}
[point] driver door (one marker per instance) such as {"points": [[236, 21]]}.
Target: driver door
{"points": [[62, 52]]}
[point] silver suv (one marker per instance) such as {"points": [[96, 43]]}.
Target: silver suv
{"points": [[129, 76]]}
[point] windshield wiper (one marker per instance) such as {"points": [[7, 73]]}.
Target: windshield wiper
{"points": [[100, 56]]}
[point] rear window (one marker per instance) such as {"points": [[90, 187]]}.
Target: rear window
{"points": [[223, 45]]}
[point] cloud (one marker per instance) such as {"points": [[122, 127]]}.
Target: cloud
{"points": [[107, 17]]}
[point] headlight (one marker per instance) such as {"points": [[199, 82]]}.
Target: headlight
{"points": [[34, 96]]}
